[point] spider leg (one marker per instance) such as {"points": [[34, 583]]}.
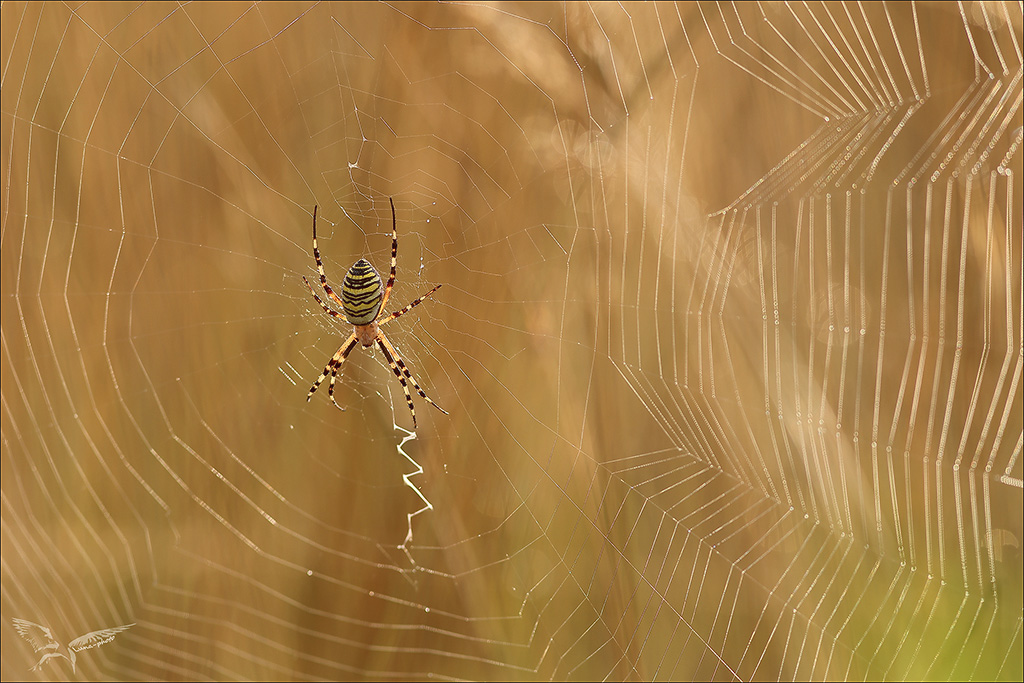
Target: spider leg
{"points": [[398, 374], [334, 376], [407, 308], [320, 301], [320, 266], [394, 256], [396, 362], [332, 369]]}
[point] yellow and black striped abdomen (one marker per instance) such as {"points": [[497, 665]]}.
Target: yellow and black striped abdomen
{"points": [[361, 293]]}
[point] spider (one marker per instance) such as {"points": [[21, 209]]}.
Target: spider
{"points": [[363, 304]]}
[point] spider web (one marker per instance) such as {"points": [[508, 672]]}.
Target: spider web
{"points": [[730, 335]]}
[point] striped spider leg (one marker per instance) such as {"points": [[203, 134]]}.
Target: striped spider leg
{"points": [[362, 301]]}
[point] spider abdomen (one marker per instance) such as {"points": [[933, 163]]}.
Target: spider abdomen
{"points": [[361, 293]]}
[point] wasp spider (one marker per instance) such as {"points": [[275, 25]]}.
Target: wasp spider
{"points": [[363, 301]]}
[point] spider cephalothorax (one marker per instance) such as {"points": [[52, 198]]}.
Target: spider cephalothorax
{"points": [[362, 301]]}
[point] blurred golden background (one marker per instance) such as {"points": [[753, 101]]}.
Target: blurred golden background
{"points": [[730, 335]]}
